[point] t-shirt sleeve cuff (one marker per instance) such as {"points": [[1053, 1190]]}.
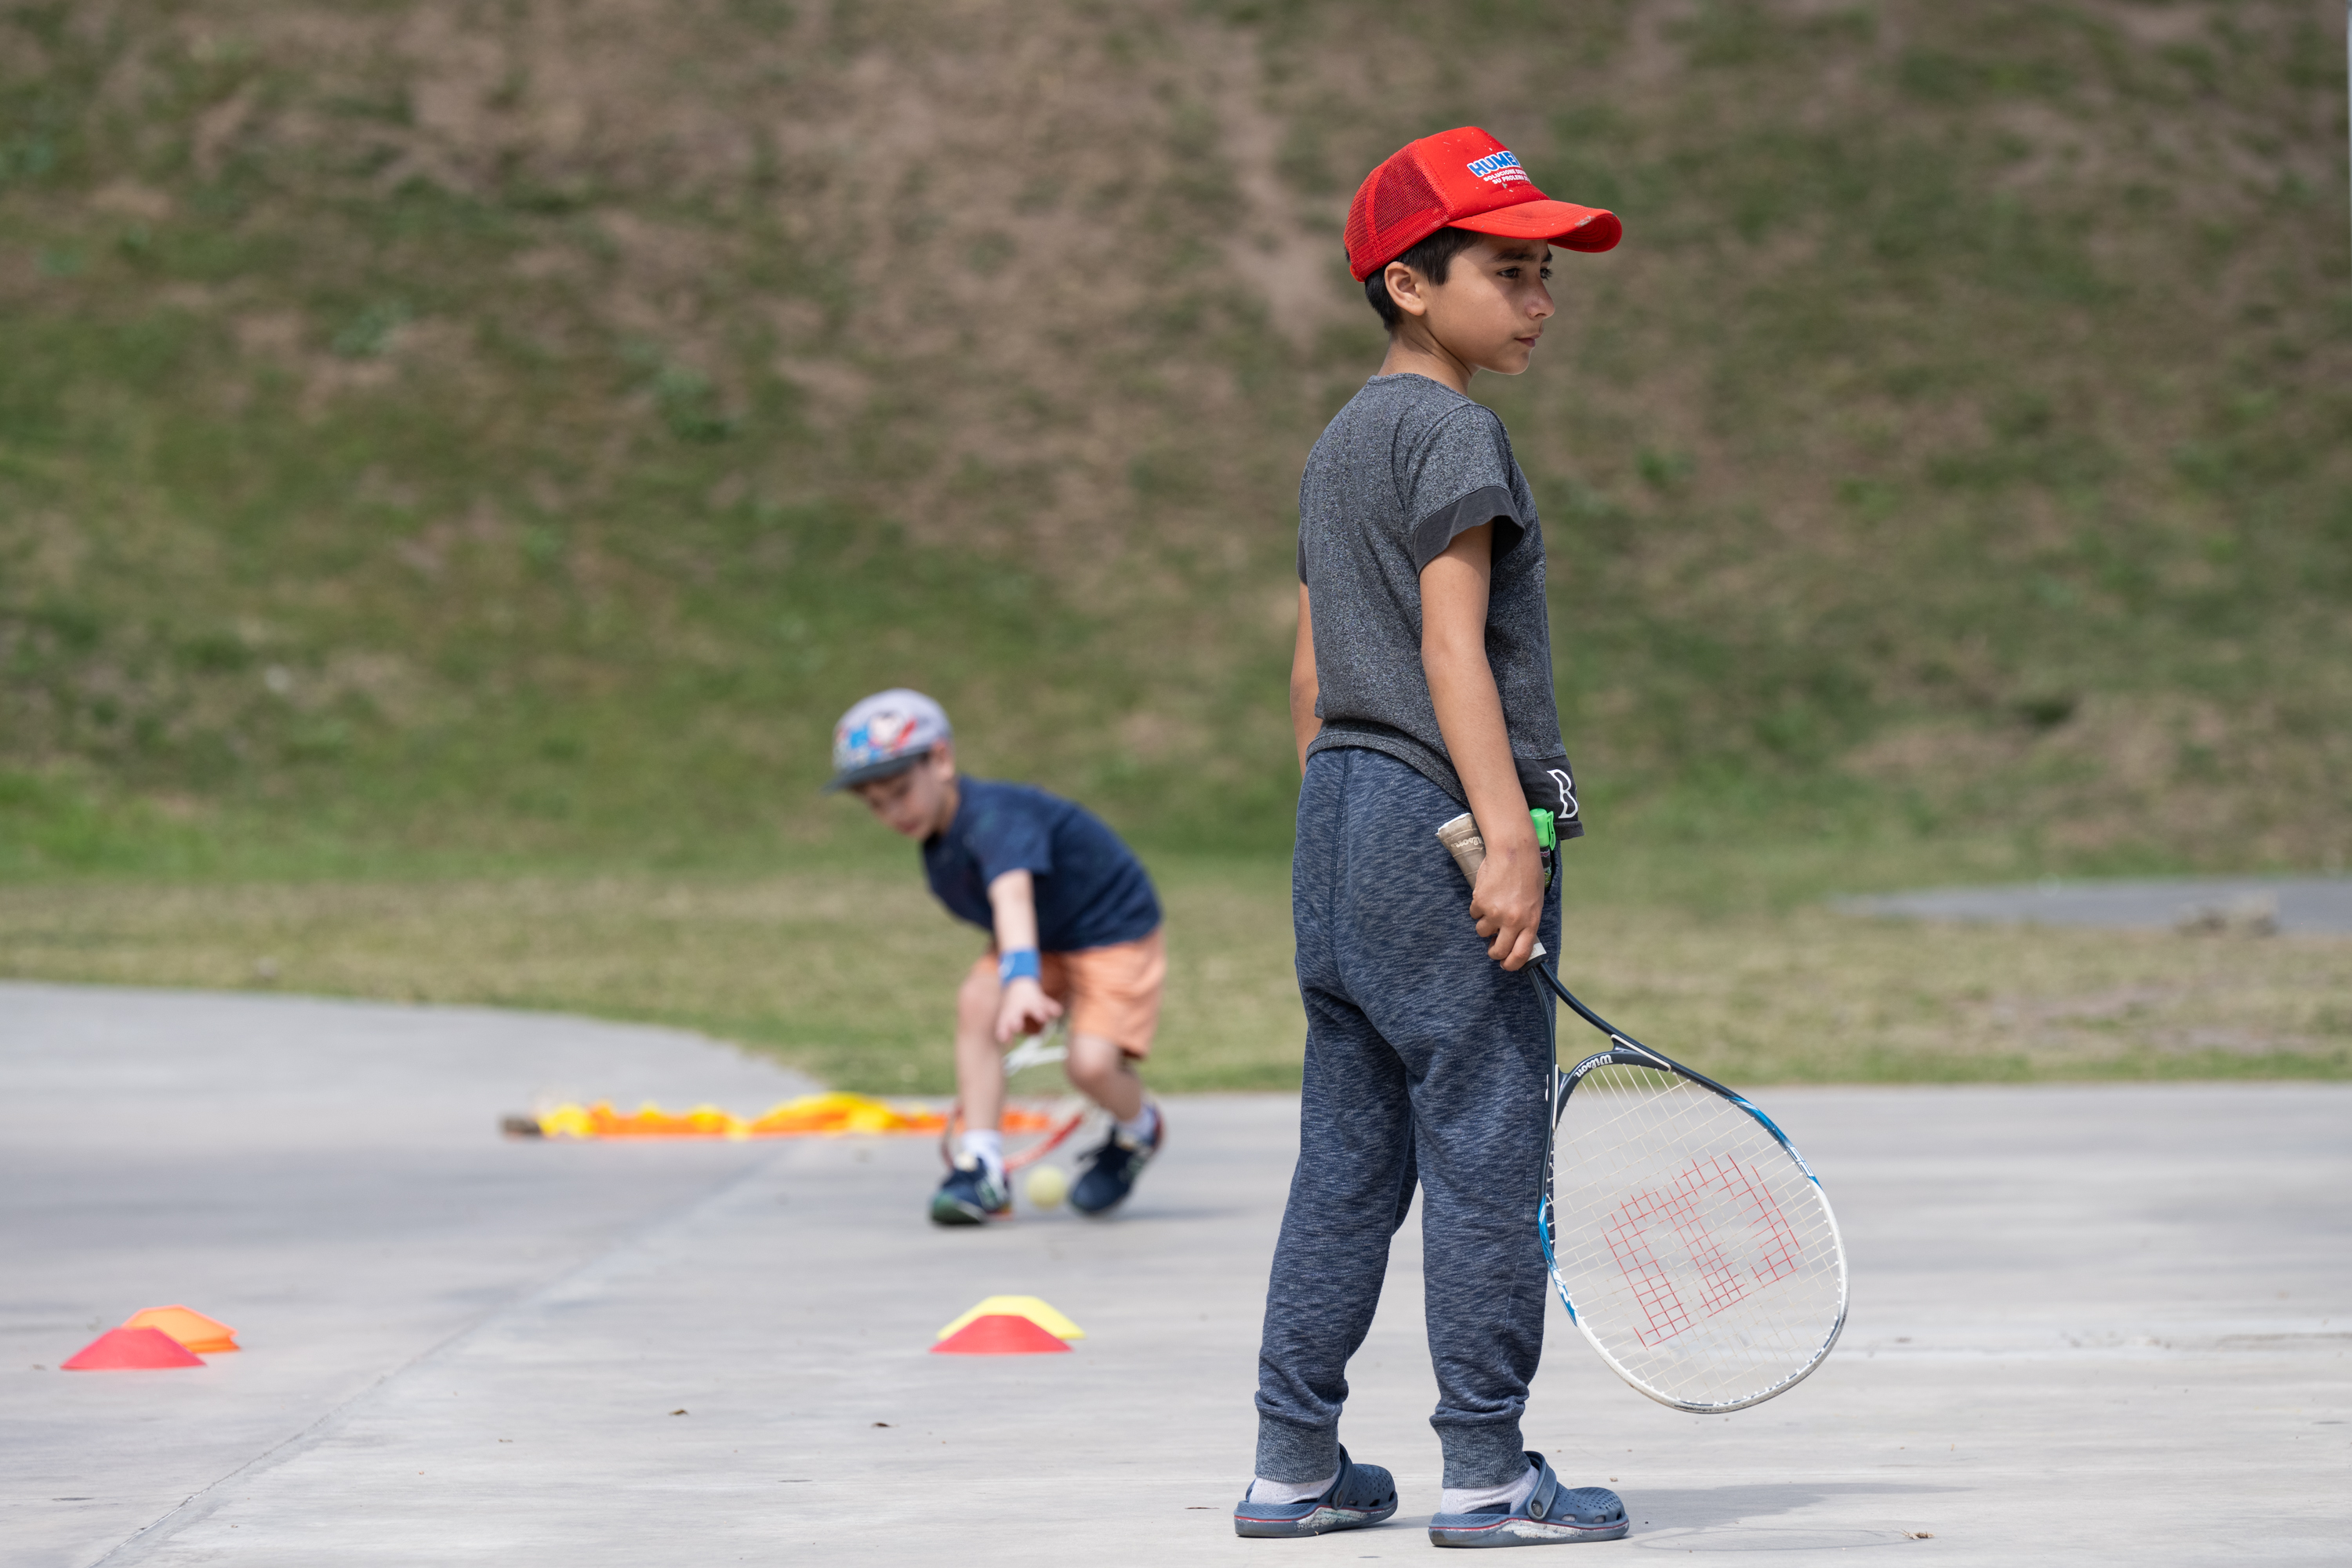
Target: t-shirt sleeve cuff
{"points": [[1037, 863], [1489, 503]]}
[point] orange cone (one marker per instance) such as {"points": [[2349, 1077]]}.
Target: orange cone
{"points": [[123, 1350], [999, 1333], [205, 1336]]}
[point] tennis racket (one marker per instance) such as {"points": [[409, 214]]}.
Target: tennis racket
{"points": [[1687, 1238], [1031, 1132]]}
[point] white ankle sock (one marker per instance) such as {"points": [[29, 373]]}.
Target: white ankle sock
{"points": [[1281, 1492], [988, 1148], [1469, 1499], [1145, 1123]]}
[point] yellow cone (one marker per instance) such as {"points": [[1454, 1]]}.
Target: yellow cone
{"points": [[205, 1336], [1030, 1307]]}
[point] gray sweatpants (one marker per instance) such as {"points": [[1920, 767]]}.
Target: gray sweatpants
{"points": [[1425, 1060]]}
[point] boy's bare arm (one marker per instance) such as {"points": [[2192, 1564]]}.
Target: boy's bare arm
{"points": [[1508, 898], [1304, 687], [1012, 904], [1025, 1008]]}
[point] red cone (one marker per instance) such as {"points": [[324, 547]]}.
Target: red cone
{"points": [[121, 1349], [999, 1333]]}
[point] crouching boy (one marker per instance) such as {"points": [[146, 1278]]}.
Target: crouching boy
{"points": [[1073, 927]]}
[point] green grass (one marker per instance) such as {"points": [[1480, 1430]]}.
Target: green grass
{"points": [[851, 975]]}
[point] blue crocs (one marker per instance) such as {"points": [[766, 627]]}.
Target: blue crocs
{"points": [[1360, 1495], [971, 1195], [1111, 1170], [1552, 1515]]}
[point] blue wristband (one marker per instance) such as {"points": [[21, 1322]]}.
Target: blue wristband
{"points": [[1021, 964]]}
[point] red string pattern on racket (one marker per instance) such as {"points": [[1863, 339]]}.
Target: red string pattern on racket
{"points": [[1653, 1291], [1701, 1259], [1680, 1207]]}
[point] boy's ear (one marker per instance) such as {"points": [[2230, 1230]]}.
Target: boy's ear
{"points": [[1404, 287]]}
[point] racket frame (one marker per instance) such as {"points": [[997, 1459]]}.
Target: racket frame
{"points": [[1625, 1051]]}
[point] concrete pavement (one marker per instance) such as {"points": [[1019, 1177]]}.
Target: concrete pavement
{"points": [[2090, 1324], [325, 1176], [2296, 905]]}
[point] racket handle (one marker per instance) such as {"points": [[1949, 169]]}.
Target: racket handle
{"points": [[1462, 841]]}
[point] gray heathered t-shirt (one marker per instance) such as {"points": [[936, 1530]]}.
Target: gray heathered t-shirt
{"points": [[1406, 466]]}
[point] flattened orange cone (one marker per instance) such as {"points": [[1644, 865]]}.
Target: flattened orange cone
{"points": [[205, 1336], [999, 1333], [125, 1350]]}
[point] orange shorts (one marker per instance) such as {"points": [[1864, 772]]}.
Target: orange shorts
{"points": [[1112, 991]]}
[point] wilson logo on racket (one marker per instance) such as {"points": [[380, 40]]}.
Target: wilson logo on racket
{"points": [[1708, 1185]]}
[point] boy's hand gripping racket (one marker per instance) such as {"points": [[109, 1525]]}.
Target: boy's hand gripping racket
{"points": [[1687, 1237]]}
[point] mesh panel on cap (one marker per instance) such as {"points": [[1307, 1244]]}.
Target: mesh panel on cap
{"points": [[1402, 196], [1359, 236]]}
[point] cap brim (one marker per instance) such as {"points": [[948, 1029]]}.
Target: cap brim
{"points": [[872, 772], [1559, 223]]}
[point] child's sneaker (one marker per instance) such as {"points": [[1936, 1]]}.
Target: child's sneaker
{"points": [[1552, 1515], [972, 1194], [1359, 1495], [1110, 1171]]}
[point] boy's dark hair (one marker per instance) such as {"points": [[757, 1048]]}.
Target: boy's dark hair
{"points": [[1432, 258]]}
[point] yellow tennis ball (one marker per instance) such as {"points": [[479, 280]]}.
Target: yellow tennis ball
{"points": [[1048, 1186]]}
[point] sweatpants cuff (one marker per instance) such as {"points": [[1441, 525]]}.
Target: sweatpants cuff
{"points": [[1296, 1454], [1484, 1454]]}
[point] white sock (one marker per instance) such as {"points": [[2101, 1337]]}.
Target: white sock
{"points": [[1146, 1122], [988, 1148], [1281, 1492], [1510, 1495]]}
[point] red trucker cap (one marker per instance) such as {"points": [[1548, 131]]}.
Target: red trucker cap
{"points": [[1461, 179]]}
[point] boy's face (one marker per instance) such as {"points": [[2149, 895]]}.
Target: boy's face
{"points": [[919, 802], [1491, 308]]}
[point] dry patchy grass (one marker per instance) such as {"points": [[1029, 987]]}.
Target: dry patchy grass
{"points": [[851, 976]]}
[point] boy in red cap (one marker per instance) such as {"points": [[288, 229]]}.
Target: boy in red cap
{"points": [[1421, 684]]}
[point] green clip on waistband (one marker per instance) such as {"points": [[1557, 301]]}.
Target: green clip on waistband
{"points": [[1547, 842]]}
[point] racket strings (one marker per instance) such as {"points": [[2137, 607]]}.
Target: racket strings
{"points": [[1690, 1244]]}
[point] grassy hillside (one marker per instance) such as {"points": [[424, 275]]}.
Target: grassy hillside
{"points": [[468, 434]]}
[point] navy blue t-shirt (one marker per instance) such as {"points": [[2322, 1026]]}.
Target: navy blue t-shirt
{"points": [[1091, 891]]}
